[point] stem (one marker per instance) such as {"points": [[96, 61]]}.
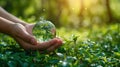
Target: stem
{"points": [[118, 28]]}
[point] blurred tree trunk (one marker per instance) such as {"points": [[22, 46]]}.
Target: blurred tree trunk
{"points": [[110, 17], [51, 16], [55, 9], [61, 4], [59, 7], [81, 13]]}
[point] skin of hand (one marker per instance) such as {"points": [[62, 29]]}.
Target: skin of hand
{"points": [[23, 35], [8, 16], [48, 46]]}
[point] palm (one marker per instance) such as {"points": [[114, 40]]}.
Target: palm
{"points": [[29, 28], [49, 46]]}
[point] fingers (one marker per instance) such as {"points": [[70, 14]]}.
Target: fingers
{"points": [[55, 46], [46, 46], [50, 45], [25, 45], [22, 33], [57, 43], [29, 38]]}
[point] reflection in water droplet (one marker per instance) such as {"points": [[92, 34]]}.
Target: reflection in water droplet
{"points": [[44, 30]]}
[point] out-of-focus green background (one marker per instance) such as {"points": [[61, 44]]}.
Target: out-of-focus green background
{"points": [[66, 13], [90, 30]]}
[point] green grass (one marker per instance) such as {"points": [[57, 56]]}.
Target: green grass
{"points": [[97, 47]]}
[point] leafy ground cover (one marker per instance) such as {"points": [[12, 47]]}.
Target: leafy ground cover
{"points": [[84, 48]]}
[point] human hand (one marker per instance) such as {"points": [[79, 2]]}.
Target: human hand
{"points": [[22, 32], [45, 46], [26, 32]]}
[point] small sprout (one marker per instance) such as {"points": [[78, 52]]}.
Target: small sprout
{"points": [[74, 38]]}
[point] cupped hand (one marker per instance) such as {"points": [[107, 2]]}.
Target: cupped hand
{"points": [[21, 32], [45, 46], [23, 35]]}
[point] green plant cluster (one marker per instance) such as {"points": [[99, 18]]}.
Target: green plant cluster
{"points": [[102, 49]]}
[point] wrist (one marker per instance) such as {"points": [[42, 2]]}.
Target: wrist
{"points": [[12, 28], [6, 25]]}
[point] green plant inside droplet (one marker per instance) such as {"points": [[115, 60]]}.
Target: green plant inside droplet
{"points": [[44, 30]]}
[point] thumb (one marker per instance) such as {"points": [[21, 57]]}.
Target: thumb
{"points": [[28, 37], [21, 32]]}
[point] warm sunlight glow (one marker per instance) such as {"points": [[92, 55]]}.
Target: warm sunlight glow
{"points": [[88, 3], [74, 5]]}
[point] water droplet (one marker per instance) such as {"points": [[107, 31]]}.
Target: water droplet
{"points": [[105, 46], [44, 30], [64, 63], [60, 54], [99, 66]]}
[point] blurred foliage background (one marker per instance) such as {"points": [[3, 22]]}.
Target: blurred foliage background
{"points": [[66, 13], [90, 30]]}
